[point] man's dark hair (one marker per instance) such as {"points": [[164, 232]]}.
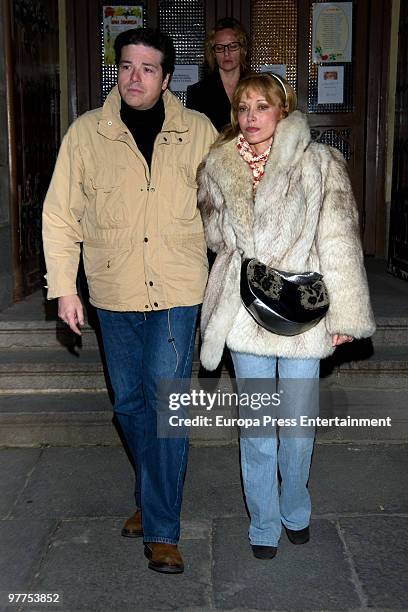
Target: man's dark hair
{"points": [[150, 38]]}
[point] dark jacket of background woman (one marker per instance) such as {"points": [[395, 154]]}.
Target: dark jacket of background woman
{"points": [[208, 96]]}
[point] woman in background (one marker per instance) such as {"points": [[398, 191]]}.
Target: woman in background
{"points": [[225, 54]]}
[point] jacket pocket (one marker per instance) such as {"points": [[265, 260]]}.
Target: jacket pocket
{"points": [[106, 195], [187, 176], [185, 206], [105, 269]]}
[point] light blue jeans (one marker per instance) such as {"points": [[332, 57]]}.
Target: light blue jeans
{"points": [[262, 456]]}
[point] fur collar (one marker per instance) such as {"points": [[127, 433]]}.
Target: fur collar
{"points": [[233, 175], [292, 136]]}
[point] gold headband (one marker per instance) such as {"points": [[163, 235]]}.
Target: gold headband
{"points": [[282, 84]]}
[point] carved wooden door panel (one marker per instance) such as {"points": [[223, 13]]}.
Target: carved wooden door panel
{"points": [[36, 120], [398, 245]]}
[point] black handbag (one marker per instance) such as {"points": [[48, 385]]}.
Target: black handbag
{"points": [[284, 303]]}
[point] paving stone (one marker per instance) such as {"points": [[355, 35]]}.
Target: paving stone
{"points": [[213, 484], [94, 568], [22, 546], [379, 549], [344, 478], [71, 482], [15, 466], [90, 491], [315, 576]]}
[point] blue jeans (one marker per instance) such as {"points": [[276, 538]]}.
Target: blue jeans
{"points": [[142, 348], [261, 457]]}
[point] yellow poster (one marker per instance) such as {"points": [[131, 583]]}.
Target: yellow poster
{"points": [[116, 19]]}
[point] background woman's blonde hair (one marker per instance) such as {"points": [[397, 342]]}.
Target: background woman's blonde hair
{"points": [[267, 84], [223, 24]]}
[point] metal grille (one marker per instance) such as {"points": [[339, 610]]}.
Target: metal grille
{"points": [[348, 103], [274, 35], [110, 72], [398, 248], [340, 139], [184, 21]]}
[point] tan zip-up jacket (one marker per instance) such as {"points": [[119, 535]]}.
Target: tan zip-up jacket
{"points": [[142, 235]]}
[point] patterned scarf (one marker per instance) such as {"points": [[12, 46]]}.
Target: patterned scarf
{"points": [[256, 162]]}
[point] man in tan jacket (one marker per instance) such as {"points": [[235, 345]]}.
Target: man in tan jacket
{"points": [[124, 187]]}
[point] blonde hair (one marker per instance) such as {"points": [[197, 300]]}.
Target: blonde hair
{"points": [[267, 84], [227, 23]]}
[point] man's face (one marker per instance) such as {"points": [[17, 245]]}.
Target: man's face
{"points": [[140, 76]]}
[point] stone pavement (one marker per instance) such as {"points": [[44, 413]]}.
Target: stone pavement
{"points": [[62, 509]]}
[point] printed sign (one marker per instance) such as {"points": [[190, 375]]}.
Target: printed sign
{"points": [[330, 85], [279, 69], [183, 76], [117, 19], [332, 31]]}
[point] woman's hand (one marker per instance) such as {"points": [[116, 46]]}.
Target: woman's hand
{"points": [[338, 339]]}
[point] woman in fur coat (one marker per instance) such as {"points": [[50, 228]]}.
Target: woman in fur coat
{"points": [[267, 191]]}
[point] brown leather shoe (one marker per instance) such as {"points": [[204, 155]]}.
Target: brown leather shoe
{"points": [[164, 558], [133, 526]]}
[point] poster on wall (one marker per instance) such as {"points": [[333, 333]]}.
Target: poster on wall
{"points": [[279, 69], [183, 76], [332, 31], [117, 19], [330, 85]]}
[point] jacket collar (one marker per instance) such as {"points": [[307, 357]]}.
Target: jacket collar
{"points": [[111, 125]]}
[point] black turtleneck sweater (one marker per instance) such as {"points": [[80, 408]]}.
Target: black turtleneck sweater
{"points": [[144, 125]]}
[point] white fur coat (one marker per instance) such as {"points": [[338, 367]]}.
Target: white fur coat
{"points": [[304, 217]]}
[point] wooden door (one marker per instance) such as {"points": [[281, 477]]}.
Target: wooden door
{"points": [[187, 21], [280, 33], [398, 245], [35, 116]]}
